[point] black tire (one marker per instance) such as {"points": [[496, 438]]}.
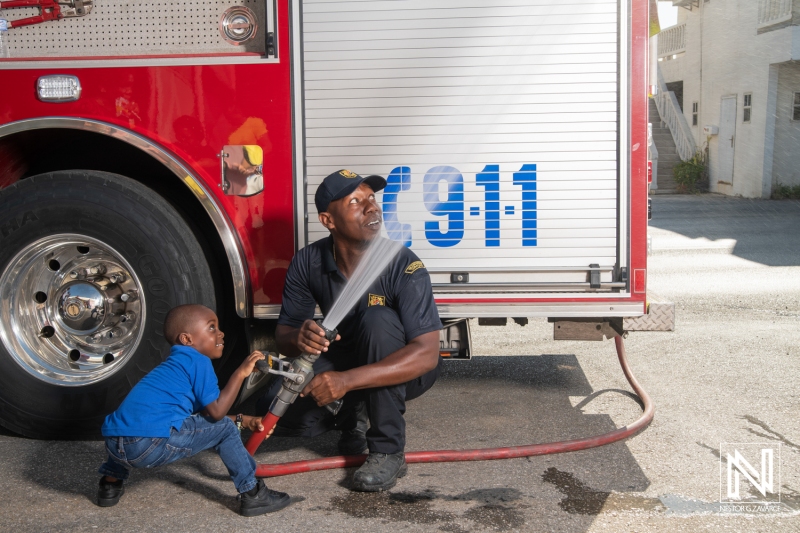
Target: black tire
{"points": [[161, 251]]}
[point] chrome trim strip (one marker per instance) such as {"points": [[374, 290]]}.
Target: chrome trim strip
{"points": [[578, 270], [218, 217], [272, 311], [566, 310], [266, 311], [137, 62], [466, 288], [298, 123]]}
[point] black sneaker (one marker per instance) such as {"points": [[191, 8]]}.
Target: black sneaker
{"points": [[380, 472], [354, 431], [263, 501], [109, 493]]}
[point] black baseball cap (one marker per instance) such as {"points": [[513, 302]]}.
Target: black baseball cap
{"points": [[341, 183]]}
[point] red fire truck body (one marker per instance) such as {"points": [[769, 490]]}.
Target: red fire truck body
{"points": [[167, 123]]}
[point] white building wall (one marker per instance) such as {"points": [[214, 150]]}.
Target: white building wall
{"points": [[785, 170], [725, 56]]}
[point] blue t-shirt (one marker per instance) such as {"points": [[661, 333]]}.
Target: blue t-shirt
{"points": [[174, 390]]}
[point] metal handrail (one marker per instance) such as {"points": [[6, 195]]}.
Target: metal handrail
{"points": [[672, 40], [773, 12], [672, 116], [653, 153]]}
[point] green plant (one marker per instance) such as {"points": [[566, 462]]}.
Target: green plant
{"points": [[692, 173], [786, 192]]}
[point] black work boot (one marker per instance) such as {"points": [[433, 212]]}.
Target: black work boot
{"points": [[380, 472], [109, 492], [261, 500], [354, 431]]}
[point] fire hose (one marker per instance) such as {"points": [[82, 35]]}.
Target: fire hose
{"points": [[301, 366]]}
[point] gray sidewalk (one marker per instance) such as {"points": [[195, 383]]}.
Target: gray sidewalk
{"points": [[764, 231]]}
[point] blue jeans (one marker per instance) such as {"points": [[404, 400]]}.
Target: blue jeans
{"points": [[196, 434]]}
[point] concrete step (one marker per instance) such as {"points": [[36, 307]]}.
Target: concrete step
{"points": [[665, 175], [665, 184], [667, 153], [666, 150]]}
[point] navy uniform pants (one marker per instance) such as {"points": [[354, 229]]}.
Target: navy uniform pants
{"points": [[378, 333]]}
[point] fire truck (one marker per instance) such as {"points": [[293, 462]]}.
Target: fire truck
{"points": [[160, 153]]}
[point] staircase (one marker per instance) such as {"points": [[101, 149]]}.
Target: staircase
{"points": [[667, 153]]}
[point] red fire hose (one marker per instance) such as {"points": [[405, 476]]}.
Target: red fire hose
{"points": [[482, 454]]}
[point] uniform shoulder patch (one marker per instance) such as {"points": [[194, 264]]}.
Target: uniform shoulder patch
{"points": [[348, 173], [413, 267], [376, 299]]}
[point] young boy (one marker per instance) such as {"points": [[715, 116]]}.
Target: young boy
{"points": [[177, 410]]}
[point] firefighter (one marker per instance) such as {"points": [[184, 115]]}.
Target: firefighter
{"points": [[387, 351]]}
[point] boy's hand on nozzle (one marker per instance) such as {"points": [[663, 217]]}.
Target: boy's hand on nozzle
{"points": [[311, 338], [248, 366], [253, 423]]}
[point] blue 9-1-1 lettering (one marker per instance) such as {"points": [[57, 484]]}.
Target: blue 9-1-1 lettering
{"points": [[447, 229]]}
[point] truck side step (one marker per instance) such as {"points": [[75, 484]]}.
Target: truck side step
{"points": [[660, 317]]}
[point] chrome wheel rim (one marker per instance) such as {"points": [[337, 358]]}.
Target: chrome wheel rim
{"points": [[72, 310]]}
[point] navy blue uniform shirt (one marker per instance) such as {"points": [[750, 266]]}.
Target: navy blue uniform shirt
{"points": [[404, 286]]}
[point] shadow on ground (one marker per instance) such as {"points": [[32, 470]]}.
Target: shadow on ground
{"points": [[759, 227], [498, 402], [482, 403]]}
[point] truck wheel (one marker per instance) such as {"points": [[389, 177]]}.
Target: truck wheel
{"points": [[90, 263]]}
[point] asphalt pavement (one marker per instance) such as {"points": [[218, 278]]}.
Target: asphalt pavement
{"points": [[725, 379]]}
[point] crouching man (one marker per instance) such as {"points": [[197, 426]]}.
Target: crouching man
{"points": [[387, 351]]}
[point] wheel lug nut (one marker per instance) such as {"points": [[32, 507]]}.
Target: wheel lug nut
{"points": [[74, 274], [115, 332], [98, 269], [128, 317], [129, 296], [117, 277]]}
